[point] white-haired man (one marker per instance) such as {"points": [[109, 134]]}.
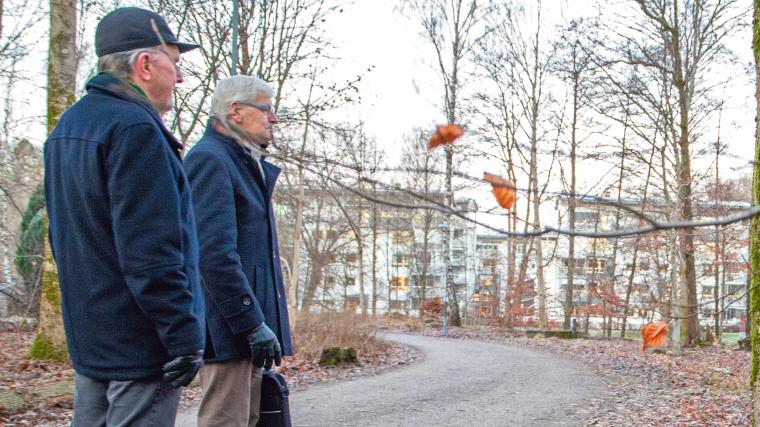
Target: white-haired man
{"points": [[246, 311]]}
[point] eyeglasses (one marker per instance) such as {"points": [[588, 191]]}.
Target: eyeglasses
{"points": [[175, 61], [264, 108]]}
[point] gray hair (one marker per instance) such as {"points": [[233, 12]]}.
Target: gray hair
{"points": [[121, 64], [239, 88]]}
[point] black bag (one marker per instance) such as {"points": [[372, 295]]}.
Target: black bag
{"points": [[274, 410]]}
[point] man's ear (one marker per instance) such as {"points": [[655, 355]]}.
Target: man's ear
{"points": [[142, 68], [234, 113]]}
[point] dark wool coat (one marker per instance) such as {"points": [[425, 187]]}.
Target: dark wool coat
{"points": [[123, 236], [240, 261]]}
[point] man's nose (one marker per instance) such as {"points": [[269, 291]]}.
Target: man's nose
{"points": [[180, 77], [273, 118]]}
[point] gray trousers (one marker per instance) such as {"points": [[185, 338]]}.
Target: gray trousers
{"points": [[231, 394], [124, 403]]}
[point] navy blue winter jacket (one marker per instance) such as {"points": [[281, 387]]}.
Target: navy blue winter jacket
{"points": [[123, 236], [240, 260]]}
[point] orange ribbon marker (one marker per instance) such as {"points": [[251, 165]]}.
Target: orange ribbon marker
{"points": [[654, 335]]}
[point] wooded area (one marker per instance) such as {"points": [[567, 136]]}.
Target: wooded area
{"points": [[619, 117]]}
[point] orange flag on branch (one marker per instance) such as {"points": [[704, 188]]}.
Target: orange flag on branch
{"points": [[445, 134], [503, 190], [654, 335]]}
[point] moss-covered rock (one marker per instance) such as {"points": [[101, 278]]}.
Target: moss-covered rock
{"points": [[39, 396], [334, 356]]}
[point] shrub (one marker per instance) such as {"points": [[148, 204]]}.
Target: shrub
{"points": [[316, 331], [432, 307]]}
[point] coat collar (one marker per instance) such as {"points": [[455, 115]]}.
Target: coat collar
{"points": [[227, 140], [271, 171], [113, 86]]}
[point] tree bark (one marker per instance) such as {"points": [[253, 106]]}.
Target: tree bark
{"points": [[754, 306], [50, 341]]}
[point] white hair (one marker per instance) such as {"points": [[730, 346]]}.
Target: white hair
{"points": [[121, 64], [239, 88]]}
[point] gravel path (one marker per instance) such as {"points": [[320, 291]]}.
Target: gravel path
{"points": [[456, 383]]}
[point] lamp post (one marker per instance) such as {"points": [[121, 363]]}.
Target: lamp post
{"points": [[444, 227], [235, 30]]}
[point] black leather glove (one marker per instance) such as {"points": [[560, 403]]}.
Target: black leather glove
{"points": [[181, 370], [265, 348]]}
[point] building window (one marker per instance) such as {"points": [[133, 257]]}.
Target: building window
{"points": [[489, 262], [590, 217], [401, 260], [402, 237], [596, 265], [400, 284], [328, 234]]}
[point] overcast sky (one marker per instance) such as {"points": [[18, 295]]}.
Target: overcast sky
{"points": [[403, 90]]}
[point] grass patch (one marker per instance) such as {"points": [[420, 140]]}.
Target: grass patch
{"points": [[629, 333], [730, 338], [399, 322], [317, 331]]}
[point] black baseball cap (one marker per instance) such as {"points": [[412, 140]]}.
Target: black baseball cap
{"points": [[129, 28]]}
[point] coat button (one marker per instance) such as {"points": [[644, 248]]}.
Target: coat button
{"points": [[246, 301]]}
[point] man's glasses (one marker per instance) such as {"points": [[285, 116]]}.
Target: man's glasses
{"points": [[265, 108]]}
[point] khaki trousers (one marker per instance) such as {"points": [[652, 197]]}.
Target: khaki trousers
{"points": [[231, 394]]}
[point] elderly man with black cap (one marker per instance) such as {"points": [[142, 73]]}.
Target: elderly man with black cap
{"points": [[122, 231]]}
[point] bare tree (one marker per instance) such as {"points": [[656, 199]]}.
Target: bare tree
{"points": [[420, 164], [573, 64], [451, 27], [677, 43], [279, 40], [363, 159], [515, 40]]}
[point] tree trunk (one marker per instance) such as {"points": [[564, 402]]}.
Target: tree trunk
{"points": [[754, 306], [374, 257], [360, 260], [676, 309], [315, 277], [543, 322], [686, 235], [296, 256], [571, 208], [629, 288], [50, 341]]}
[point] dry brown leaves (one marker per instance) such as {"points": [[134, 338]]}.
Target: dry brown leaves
{"points": [[704, 386], [25, 377], [300, 371]]}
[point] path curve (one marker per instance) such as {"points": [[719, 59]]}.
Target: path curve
{"points": [[456, 383]]}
